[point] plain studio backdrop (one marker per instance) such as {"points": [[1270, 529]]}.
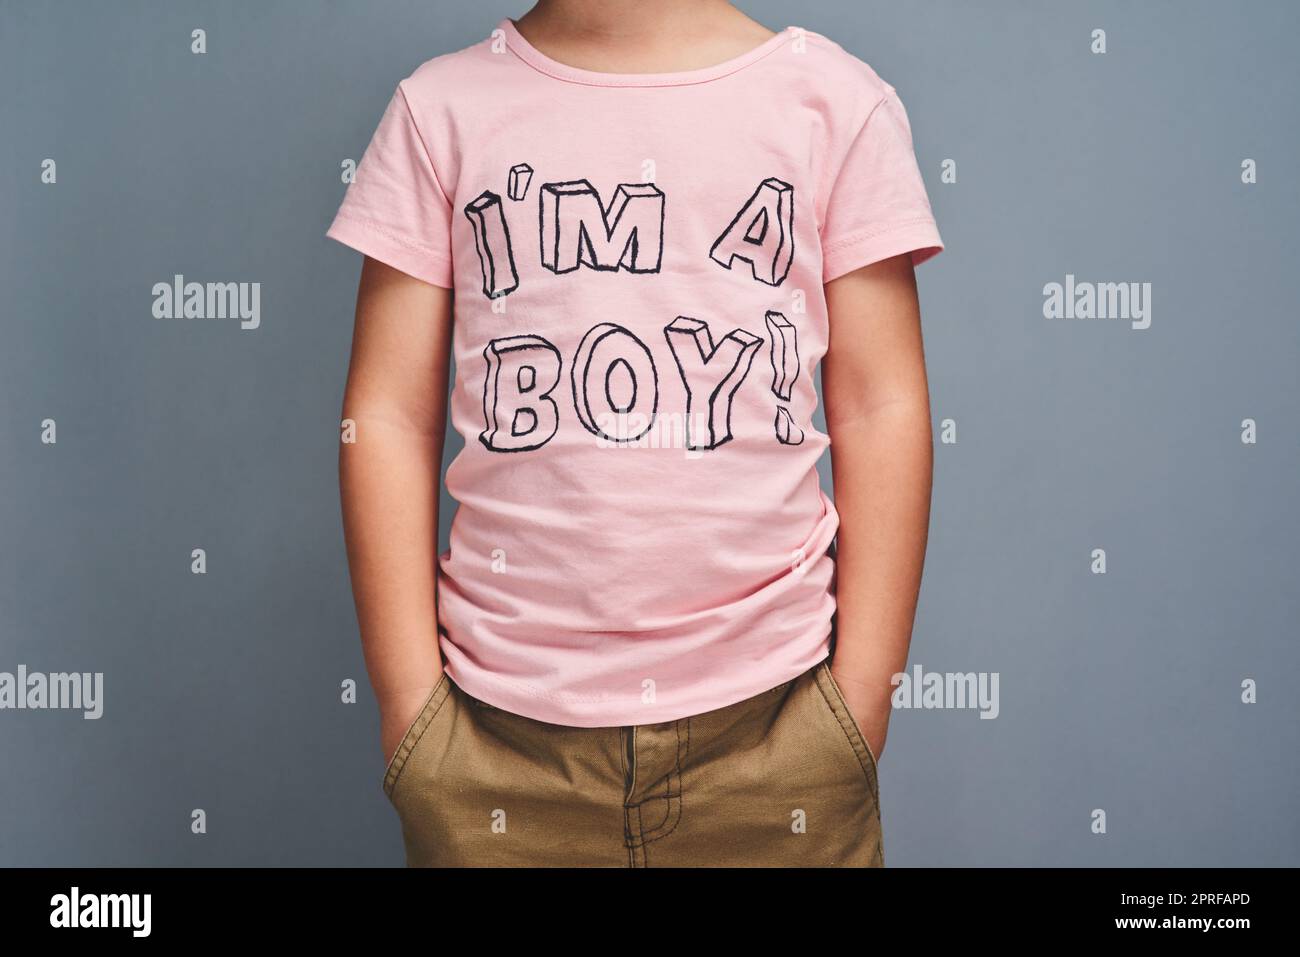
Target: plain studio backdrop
{"points": [[1120, 692]]}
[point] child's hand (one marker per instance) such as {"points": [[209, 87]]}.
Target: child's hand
{"points": [[870, 709], [397, 712]]}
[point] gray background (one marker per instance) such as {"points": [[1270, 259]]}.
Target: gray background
{"points": [[1119, 692]]}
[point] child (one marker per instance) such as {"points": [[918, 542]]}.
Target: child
{"points": [[649, 222]]}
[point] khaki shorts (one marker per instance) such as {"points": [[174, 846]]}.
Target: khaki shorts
{"points": [[782, 779]]}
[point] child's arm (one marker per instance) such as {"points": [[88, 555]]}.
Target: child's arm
{"points": [[389, 478], [878, 416]]}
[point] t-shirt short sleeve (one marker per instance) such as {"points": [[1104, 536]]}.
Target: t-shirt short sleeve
{"points": [[395, 210], [877, 206]]}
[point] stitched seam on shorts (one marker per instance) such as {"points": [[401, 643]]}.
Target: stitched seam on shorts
{"points": [[409, 751], [399, 757], [622, 756], [849, 732], [669, 796], [629, 838], [677, 819], [854, 730], [878, 858]]}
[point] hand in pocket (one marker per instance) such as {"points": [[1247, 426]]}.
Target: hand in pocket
{"points": [[870, 709], [397, 712]]}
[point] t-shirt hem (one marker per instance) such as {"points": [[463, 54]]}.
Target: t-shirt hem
{"points": [[373, 240], [918, 236], [570, 712]]}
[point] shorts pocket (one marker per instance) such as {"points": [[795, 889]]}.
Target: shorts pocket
{"points": [[848, 726], [438, 698]]}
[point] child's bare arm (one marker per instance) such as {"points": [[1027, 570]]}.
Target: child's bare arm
{"points": [[397, 396], [878, 416]]}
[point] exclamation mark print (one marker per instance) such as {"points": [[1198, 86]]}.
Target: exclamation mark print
{"points": [[785, 369]]}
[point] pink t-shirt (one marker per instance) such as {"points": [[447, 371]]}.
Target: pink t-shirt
{"points": [[638, 265]]}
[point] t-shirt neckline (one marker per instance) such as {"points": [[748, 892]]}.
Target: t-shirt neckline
{"points": [[539, 61]]}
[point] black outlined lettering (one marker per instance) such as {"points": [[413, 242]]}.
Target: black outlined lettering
{"points": [[522, 371], [711, 374], [785, 353], [762, 234], [613, 377], [785, 370], [492, 239], [614, 374], [575, 230], [521, 174], [787, 433]]}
